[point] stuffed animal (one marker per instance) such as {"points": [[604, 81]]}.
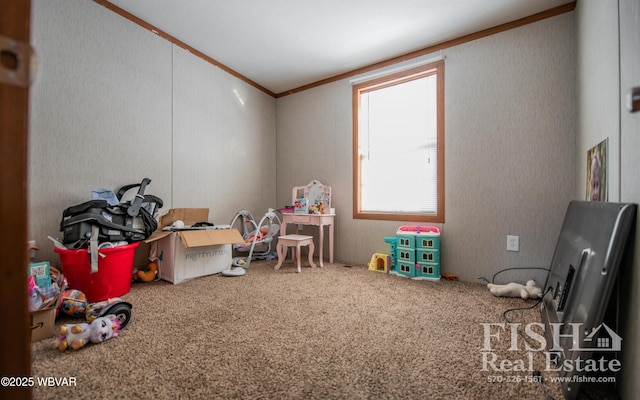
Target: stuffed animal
{"points": [[147, 275], [75, 336], [530, 290]]}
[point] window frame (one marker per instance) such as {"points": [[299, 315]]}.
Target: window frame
{"points": [[436, 68]]}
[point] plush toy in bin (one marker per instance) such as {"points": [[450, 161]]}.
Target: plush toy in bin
{"points": [[528, 291], [76, 336]]}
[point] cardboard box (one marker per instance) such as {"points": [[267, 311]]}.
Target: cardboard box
{"points": [[43, 323], [187, 215], [43, 320], [188, 254]]}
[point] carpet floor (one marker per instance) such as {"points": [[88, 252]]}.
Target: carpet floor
{"points": [[338, 332]]}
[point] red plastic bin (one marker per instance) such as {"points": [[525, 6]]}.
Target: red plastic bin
{"points": [[113, 278]]}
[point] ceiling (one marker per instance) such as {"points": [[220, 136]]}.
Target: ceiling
{"points": [[282, 45]]}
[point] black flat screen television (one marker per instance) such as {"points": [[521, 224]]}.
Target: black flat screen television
{"points": [[583, 272]]}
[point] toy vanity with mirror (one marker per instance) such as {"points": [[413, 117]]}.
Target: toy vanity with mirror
{"points": [[314, 198], [312, 206]]}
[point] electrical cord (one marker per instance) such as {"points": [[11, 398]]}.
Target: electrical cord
{"points": [[504, 314], [511, 269], [536, 374]]}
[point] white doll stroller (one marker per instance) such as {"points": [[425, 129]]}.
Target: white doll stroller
{"points": [[258, 236]]}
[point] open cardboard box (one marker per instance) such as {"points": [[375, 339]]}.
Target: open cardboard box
{"points": [[189, 254], [43, 320]]}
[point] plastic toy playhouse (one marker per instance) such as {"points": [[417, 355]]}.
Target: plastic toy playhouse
{"points": [[415, 253]]}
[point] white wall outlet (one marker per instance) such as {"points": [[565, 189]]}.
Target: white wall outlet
{"points": [[513, 243]]}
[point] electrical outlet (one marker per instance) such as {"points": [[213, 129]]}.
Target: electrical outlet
{"points": [[513, 243]]}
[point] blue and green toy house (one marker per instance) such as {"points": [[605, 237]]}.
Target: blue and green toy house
{"points": [[415, 252]]}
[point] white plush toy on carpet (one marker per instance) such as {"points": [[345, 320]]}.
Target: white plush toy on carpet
{"points": [[530, 290]]}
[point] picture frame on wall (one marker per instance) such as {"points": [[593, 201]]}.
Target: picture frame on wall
{"points": [[597, 172]]}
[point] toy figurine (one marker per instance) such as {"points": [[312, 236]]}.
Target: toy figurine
{"points": [[75, 336]]}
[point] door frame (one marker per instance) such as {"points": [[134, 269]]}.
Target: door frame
{"points": [[15, 337]]}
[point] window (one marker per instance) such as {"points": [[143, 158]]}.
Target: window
{"points": [[398, 142]]}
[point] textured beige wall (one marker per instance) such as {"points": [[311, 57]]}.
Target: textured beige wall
{"points": [[224, 144], [509, 151], [114, 103], [598, 80]]}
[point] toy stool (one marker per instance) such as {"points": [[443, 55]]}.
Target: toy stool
{"points": [[297, 241]]}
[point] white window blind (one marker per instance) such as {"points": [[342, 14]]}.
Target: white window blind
{"points": [[397, 144]]}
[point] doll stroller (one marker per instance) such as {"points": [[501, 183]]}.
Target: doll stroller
{"points": [[258, 236]]}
